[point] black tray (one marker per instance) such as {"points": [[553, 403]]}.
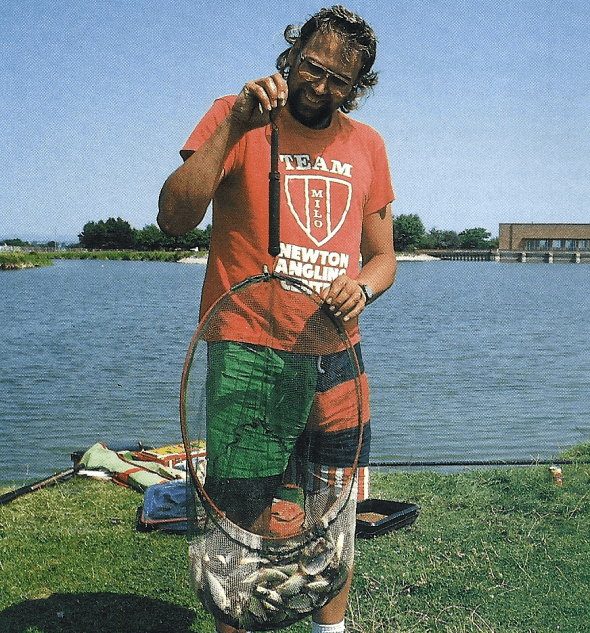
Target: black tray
{"points": [[396, 515]]}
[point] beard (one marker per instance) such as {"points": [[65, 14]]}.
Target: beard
{"points": [[316, 117]]}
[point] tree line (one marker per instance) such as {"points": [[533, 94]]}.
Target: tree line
{"points": [[410, 235], [118, 234]]}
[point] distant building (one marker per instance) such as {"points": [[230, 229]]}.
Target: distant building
{"points": [[544, 237]]}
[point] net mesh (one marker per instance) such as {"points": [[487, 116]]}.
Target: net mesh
{"points": [[272, 397]]}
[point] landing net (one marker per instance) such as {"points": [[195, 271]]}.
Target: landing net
{"points": [[272, 395]]}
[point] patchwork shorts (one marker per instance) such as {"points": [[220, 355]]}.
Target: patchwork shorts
{"points": [[279, 415]]}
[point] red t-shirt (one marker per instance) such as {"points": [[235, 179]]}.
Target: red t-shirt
{"points": [[330, 179]]}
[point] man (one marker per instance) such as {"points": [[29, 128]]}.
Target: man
{"points": [[336, 188]]}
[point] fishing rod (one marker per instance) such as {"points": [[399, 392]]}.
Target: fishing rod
{"points": [[483, 462], [56, 478], [9, 496]]}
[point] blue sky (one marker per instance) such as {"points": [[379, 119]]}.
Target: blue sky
{"points": [[484, 105]]}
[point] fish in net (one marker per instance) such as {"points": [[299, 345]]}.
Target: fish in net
{"points": [[273, 389]]}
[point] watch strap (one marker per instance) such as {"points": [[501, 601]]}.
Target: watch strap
{"points": [[369, 297]]}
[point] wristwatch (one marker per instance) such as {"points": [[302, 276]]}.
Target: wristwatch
{"points": [[368, 293]]}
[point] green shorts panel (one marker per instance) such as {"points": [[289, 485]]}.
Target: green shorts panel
{"points": [[258, 403]]}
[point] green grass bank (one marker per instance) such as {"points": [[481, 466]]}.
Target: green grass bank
{"points": [[145, 256], [495, 550], [15, 260]]}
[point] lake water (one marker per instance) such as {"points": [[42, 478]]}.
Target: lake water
{"points": [[466, 360]]}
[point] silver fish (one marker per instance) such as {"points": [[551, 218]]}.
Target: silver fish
{"points": [[271, 575], [197, 574], [254, 560], [196, 559], [269, 606], [255, 607], [217, 592], [291, 586], [301, 603], [339, 546], [251, 578], [318, 585], [289, 570], [268, 594], [318, 564]]}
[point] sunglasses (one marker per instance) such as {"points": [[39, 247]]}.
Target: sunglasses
{"points": [[312, 71]]}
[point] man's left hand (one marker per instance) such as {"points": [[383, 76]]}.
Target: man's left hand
{"points": [[345, 297]]}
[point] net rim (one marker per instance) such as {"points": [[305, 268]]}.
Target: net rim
{"points": [[231, 529]]}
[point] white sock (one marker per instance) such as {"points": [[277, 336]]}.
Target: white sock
{"points": [[327, 628]]}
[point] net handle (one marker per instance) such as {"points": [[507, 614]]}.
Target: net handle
{"points": [[274, 190]]}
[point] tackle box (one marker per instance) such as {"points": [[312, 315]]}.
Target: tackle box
{"points": [[375, 517]]}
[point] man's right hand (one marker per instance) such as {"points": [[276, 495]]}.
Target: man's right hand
{"points": [[256, 101], [186, 194]]}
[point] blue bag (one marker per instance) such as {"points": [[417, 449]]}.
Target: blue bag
{"points": [[166, 507]]}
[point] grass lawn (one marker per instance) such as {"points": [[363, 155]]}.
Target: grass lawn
{"points": [[503, 550]]}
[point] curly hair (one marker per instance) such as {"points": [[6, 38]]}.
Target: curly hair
{"points": [[357, 36]]}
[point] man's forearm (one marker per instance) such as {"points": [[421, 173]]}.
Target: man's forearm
{"points": [[379, 272], [186, 194]]}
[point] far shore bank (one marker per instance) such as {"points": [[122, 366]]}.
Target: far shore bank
{"points": [[415, 257], [401, 257], [17, 260], [198, 259]]}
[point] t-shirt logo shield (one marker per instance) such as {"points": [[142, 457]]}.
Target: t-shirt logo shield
{"points": [[319, 204]]}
